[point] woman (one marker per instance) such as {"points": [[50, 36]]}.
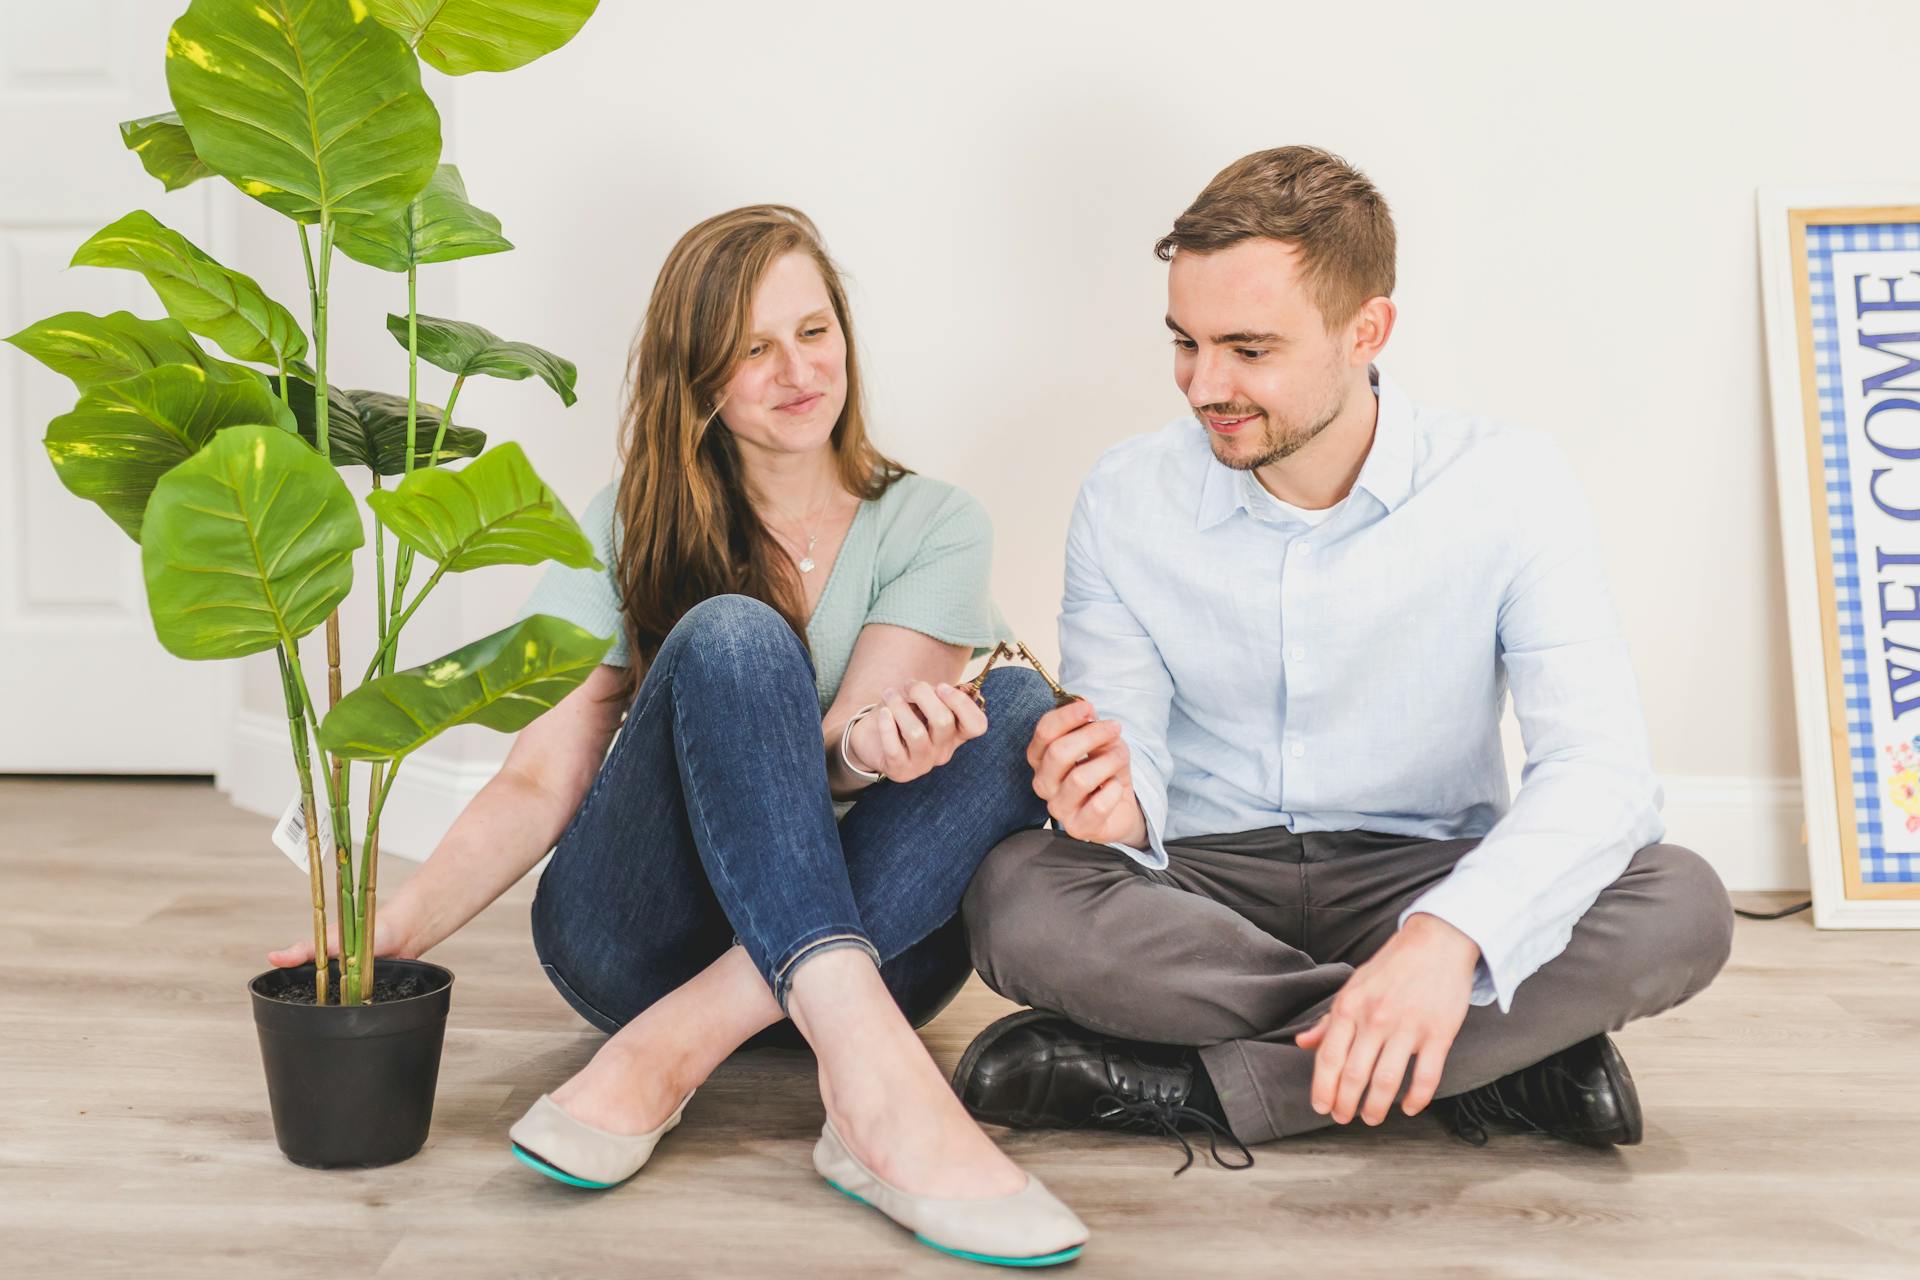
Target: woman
{"points": [[703, 888]]}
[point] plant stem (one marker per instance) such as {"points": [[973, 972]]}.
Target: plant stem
{"points": [[340, 770], [305, 698], [403, 556], [370, 872], [413, 362], [337, 805], [383, 657], [370, 843], [380, 573], [317, 318], [393, 632], [446, 418], [405, 569], [343, 892], [306, 251], [297, 735]]}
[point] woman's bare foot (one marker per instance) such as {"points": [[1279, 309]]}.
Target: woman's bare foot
{"points": [[883, 1093], [640, 1075], [624, 1089]]}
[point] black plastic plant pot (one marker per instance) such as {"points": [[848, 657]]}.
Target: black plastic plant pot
{"points": [[352, 1085]]}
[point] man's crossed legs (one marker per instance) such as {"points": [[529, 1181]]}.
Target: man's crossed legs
{"points": [[1242, 941]]}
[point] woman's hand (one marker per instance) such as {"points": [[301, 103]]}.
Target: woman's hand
{"points": [[913, 733], [390, 941]]}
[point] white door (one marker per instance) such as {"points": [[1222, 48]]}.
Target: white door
{"points": [[84, 686]]}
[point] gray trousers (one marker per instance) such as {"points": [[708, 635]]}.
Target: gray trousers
{"points": [[1241, 943]]}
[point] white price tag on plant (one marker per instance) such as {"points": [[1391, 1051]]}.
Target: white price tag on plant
{"points": [[290, 833]]}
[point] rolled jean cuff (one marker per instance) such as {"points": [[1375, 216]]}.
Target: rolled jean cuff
{"points": [[781, 980]]}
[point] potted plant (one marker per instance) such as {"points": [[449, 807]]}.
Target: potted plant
{"points": [[226, 472]]}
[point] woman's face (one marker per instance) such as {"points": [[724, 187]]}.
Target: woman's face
{"points": [[792, 382]]}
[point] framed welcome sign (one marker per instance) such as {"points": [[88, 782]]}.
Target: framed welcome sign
{"points": [[1841, 277]]}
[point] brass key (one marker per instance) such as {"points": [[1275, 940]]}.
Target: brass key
{"points": [[1060, 696]]}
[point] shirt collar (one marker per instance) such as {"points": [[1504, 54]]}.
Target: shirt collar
{"points": [[1387, 473]]}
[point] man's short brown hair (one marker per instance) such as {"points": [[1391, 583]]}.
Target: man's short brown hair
{"points": [[1306, 197]]}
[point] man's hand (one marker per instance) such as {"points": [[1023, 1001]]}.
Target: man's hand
{"points": [[1408, 1001], [1082, 769]]}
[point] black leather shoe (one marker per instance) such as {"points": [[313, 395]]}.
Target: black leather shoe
{"points": [[1037, 1070], [1584, 1094]]}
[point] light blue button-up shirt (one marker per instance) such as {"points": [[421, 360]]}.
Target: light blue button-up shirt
{"points": [[1352, 674]]}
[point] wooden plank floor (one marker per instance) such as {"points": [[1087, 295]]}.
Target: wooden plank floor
{"points": [[1783, 1133]]}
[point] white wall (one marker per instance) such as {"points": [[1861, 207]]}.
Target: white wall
{"points": [[1574, 189]]}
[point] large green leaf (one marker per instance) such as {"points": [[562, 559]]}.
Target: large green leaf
{"points": [[467, 349], [92, 349], [369, 429], [305, 105], [164, 149], [124, 436], [248, 544], [438, 225], [458, 36], [209, 299], [504, 682], [493, 511]]}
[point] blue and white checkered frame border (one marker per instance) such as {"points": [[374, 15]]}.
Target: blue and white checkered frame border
{"points": [[1877, 866]]}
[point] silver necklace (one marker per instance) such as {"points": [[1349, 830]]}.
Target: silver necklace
{"points": [[805, 562]]}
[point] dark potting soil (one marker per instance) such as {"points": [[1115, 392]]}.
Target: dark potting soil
{"points": [[384, 989]]}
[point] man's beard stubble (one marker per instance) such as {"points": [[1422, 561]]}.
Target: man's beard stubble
{"points": [[1276, 444]]}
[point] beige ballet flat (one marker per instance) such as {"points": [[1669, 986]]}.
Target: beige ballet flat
{"points": [[567, 1150], [1029, 1228]]}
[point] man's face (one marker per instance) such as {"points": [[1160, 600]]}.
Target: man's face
{"points": [[1251, 353]]}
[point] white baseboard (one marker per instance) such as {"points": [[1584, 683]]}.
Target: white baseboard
{"points": [[1748, 828], [428, 796]]}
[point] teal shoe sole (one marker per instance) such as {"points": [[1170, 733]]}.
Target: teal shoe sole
{"points": [[992, 1260], [538, 1165]]}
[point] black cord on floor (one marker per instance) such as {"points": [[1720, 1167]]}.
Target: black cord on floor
{"points": [[1781, 914]]}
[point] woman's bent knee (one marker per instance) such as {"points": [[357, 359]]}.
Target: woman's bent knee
{"points": [[733, 638], [731, 618], [1016, 698]]}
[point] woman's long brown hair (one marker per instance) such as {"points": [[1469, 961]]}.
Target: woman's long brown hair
{"points": [[688, 531]]}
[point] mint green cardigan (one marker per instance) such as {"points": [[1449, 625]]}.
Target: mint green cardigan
{"points": [[919, 556]]}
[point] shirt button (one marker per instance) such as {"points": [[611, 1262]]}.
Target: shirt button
{"points": [[1298, 653], [1297, 750], [1303, 548]]}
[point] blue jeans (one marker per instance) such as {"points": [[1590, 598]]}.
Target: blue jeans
{"points": [[710, 822]]}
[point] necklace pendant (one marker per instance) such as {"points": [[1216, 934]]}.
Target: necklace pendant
{"points": [[806, 564]]}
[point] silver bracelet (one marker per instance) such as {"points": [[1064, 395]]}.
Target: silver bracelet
{"points": [[847, 733]]}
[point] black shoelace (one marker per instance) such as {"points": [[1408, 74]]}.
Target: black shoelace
{"points": [[1477, 1108], [1169, 1118], [1472, 1112]]}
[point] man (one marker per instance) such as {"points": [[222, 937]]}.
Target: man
{"points": [[1286, 887]]}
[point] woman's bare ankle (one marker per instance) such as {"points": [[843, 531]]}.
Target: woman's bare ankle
{"points": [[647, 1069], [884, 1096], [906, 1125], [624, 1090]]}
